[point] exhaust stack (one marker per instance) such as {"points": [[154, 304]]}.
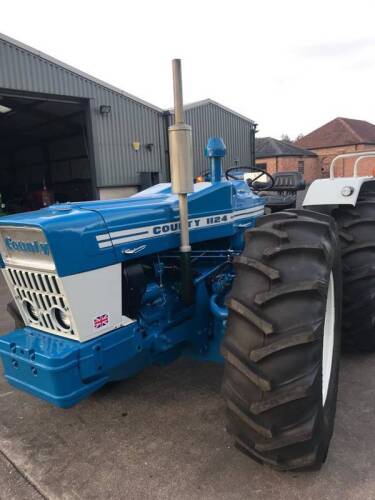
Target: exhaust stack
{"points": [[181, 161]]}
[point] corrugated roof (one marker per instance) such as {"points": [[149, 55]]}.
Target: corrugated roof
{"points": [[339, 132], [268, 147], [76, 71], [205, 102]]}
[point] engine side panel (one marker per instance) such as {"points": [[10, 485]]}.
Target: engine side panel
{"points": [[86, 236]]}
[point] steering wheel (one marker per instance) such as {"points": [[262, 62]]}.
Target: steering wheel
{"points": [[266, 186]]}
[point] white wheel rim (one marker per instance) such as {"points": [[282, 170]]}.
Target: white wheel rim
{"points": [[328, 338]]}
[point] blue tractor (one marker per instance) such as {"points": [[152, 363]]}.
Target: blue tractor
{"points": [[103, 289]]}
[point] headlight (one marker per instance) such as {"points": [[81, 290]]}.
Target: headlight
{"points": [[62, 318], [31, 311]]}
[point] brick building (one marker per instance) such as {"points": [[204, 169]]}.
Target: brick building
{"points": [[341, 135], [280, 156]]}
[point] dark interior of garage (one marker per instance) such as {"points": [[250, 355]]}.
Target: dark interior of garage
{"points": [[44, 152]]}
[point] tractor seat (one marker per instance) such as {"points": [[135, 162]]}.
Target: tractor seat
{"points": [[284, 181], [283, 193]]}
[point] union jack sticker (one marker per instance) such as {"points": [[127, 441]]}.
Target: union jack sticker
{"points": [[101, 321]]}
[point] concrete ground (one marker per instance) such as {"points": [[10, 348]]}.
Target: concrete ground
{"points": [[162, 435]]}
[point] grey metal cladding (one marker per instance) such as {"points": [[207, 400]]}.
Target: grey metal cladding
{"points": [[130, 120], [210, 119]]}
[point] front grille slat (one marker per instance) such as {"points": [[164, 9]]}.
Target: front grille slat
{"points": [[42, 299], [12, 277], [44, 281], [18, 279], [41, 284], [34, 282], [55, 284], [23, 280], [38, 300], [50, 324], [48, 283], [27, 278], [44, 292], [43, 320]]}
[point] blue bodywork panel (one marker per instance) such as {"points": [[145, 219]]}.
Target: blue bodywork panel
{"points": [[86, 236], [145, 228], [63, 371]]}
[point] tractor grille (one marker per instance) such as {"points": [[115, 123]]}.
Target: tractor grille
{"points": [[44, 292]]}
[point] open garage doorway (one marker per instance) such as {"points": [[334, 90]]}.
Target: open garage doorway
{"points": [[45, 154]]}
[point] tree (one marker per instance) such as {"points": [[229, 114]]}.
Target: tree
{"points": [[299, 136], [286, 138]]}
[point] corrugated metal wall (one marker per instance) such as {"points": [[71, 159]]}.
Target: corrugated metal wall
{"points": [[116, 162], [210, 120], [130, 120]]}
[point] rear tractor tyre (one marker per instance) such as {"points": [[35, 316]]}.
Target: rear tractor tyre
{"points": [[282, 345], [357, 235]]}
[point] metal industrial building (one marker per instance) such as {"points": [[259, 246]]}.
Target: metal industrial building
{"points": [[75, 137], [208, 119]]}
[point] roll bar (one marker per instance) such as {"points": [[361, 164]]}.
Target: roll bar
{"points": [[357, 162], [359, 155]]}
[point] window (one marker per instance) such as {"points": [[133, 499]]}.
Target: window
{"points": [[301, 166], [262, 166]]}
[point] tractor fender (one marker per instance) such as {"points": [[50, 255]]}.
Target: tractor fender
{"points": [[335, 191]]}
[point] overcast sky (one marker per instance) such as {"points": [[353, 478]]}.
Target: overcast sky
{"points": [[289, 65]]}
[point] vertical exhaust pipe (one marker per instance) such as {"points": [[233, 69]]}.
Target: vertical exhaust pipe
{"points": [[181, 161]]}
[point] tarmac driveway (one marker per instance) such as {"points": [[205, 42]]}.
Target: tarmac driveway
{"points": [[162, 435]]}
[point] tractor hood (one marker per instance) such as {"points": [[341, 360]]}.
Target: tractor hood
{"points": [[79, 237]]}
